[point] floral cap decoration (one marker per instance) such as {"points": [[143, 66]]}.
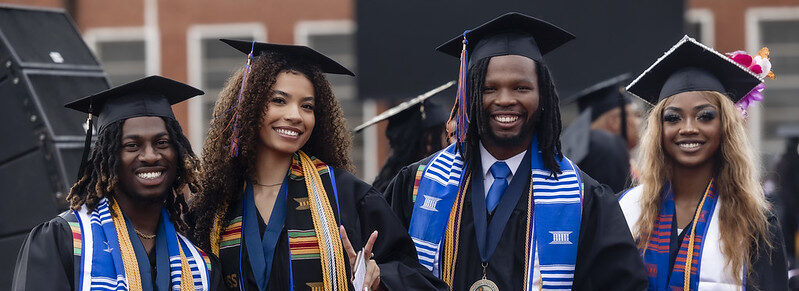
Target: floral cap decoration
{"points": [[759, 65]]}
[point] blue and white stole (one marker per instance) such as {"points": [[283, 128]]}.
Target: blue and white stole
{"points": [[552, 233], [102, 267]]}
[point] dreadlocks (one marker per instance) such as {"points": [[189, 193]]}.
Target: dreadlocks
{"points": [[100, 176], [547, 119]]}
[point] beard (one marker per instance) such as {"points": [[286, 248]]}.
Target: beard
{"points": [[528, 128]]}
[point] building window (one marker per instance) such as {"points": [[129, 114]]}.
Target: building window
{"points": [[336, 39], [211, 63], [122, 52], [699, 25], [780, 106]]}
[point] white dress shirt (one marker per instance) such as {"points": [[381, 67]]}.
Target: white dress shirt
{"points": [[487, 160]]}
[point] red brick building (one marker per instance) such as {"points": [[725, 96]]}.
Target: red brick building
{"points": [[177, 39]]}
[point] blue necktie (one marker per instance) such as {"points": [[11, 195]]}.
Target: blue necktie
{"points": [[500, 171]]}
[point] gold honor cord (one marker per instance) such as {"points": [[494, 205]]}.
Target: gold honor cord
{"points": [[129, 255], [186, 279], [216, 230], [318, 198], [690, 255], [530, 253], [452, 236], [126, 248]]}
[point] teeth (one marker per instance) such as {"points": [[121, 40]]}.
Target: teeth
{"points": [[287, 132], [690, 145], [149, 175], [506, 118]]}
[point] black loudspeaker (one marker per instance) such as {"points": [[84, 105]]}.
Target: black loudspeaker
{"points": [[44, 64]]}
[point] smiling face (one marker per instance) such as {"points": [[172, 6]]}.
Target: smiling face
{"points": [[691, 129], [148, 166], [289, 118], [510, 102]]}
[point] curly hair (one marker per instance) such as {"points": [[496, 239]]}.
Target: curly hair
{"points": [[100, 179], [224, 174], [743, 217], [547, 123]]}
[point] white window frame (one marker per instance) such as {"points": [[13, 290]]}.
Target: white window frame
{"points": [[704, 17], [94, 36], [754, 42], [302, 32], [195, 34]]}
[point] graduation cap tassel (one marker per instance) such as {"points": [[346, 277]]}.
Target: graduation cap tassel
{"points": [[460, 96], [234, 137], [86, 146]]}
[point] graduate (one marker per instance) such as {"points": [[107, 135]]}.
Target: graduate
{"points": [[469, 208], [278, 204], [600, 138], [123, 232], [786, 173], [416, 129], [699, 202]]}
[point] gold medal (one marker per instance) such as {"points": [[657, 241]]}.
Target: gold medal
{"points": [[484, 284]]}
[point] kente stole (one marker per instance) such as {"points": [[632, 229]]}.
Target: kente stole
{"points": [[552, 232], [311, 218], [708, 264]]}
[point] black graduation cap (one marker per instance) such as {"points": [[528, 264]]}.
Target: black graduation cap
{"points": [[431, 114], [691, 66], [788, 131], [601, 97], [510, 34], [299, 52], [149, 96], [576, 138]]}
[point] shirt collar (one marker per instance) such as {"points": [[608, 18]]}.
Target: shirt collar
{"points": [[487, 160]]}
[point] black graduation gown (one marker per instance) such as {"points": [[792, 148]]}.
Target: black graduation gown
{"points": [[46, 260], [363, 210], [607, 258], [608, 160]]}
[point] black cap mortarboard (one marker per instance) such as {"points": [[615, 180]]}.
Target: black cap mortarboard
{"points": [[431, 114], [575, 139], [790, 130], [299, 52], [510, 34], [149, 96], [691, 66], [602, 96]]}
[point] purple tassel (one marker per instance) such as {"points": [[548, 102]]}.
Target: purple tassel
{"points": [[234, 136]]}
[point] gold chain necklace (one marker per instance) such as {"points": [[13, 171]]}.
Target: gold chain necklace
{"points": [[267, 185], [144, 235]]}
